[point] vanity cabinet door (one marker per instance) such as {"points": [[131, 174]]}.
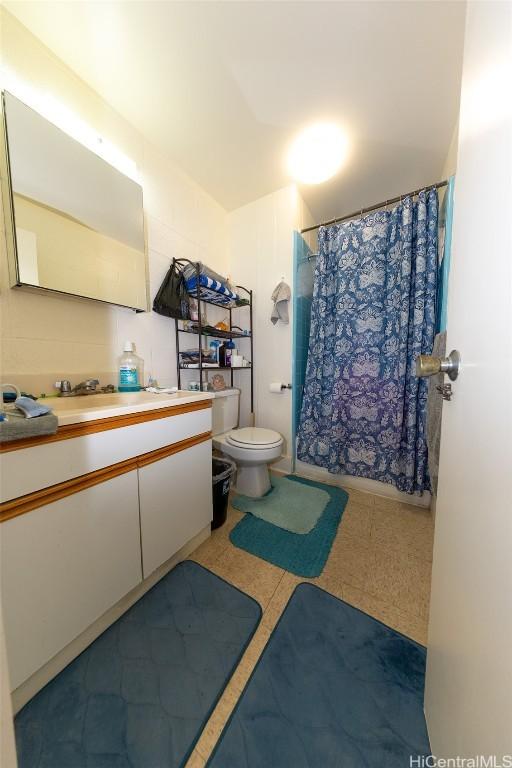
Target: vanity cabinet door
{"points": [[63, 565], [175, 496]]}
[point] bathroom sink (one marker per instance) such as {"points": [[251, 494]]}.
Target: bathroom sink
{"points": [[72, 410]]}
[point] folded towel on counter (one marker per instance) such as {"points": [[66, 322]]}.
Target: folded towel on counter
{"points": [[434, 413], [280, 296], [31, 408], [15, 428]]}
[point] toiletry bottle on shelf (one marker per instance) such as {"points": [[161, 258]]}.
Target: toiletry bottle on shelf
{"points": [[222, 355], [230, 351], [131, 369], [214, 348]]}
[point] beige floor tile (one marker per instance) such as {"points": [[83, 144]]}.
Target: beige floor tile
{"points": [[371, 605], [350, 561], [409, 625], [252, 575], [399, 509], [251, 657], [217, 721], [280, 598], [402, 580], [208, 552], [403, 528], [416, 541], [195, 760], [357, 521], [234, 516], [360, 497]]}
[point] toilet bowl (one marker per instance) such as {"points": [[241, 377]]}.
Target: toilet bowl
{"points": [[252, 449]]}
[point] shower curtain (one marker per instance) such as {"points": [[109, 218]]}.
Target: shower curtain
{"points": [[373, 313]]}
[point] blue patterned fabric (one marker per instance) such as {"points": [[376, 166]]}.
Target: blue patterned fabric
{"points": [[373, 313]]}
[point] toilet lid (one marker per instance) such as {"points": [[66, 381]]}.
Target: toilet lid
{"points": [[256, 437]]}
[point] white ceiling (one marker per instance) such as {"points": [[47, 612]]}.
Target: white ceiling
{"points": [[222, 87]]}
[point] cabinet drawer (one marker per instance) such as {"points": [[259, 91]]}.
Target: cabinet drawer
{"points": [[63, 565], [30, 469], [175, 502]]}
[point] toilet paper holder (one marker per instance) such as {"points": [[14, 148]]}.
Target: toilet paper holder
{"points": [[278, 387]]}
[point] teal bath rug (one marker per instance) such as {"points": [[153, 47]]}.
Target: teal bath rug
{"points": [[139, 695], [333, 688], [301, 554], [291, 506]]}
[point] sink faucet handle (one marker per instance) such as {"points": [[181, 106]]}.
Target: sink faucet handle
{"points": [[63, 386], [91, 382]]}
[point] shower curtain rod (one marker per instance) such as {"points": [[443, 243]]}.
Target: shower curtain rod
{"points": [[375, 207]]}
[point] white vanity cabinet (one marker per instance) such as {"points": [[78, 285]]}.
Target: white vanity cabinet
{"points": [[175, 495], [87, 515], [63, 565]]}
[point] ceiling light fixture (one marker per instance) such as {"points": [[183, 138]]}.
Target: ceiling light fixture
{"points": [[317, 153]]}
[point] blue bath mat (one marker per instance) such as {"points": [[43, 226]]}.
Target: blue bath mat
{"points": [[302, 554], [139, 696], [289, 505], [333, 687]]}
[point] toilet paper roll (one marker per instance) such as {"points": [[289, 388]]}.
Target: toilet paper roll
{"points": [[277, 387]]}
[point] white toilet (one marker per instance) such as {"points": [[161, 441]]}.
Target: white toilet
{"points": [[251, 448]]}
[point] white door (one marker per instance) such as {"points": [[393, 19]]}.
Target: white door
{"points": [[468, 698]]}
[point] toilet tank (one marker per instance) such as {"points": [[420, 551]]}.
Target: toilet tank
{"points": [[225, 410]]}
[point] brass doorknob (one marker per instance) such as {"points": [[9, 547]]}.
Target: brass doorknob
{"points": [[427, 365]]}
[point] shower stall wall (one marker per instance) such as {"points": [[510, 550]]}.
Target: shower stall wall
{"points": [[303, 279]]}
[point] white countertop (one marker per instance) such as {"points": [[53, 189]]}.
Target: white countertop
{"points": [[72, 410]]}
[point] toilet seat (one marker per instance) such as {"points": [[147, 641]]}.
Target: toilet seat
{"points": [[254, 438]]}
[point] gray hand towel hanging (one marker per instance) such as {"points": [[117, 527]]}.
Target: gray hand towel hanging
{"points": [[280, 296]]}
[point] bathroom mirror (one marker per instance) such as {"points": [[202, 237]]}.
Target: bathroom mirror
{"points": [[75, 223]]}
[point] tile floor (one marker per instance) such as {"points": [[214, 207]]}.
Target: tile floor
{"points": [[380, 562]]}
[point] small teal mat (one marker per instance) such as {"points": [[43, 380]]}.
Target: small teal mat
{"points": [[334, 688], [139, 696], [301, 554], [291, 506]]}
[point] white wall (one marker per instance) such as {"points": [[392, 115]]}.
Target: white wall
{"points": [[260, 254], [45, 337], [450, 164]]}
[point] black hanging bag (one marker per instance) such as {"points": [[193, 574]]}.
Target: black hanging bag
{"points": [[172, 299]]}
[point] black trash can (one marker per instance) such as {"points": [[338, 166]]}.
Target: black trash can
{"points": [[222, 472]]}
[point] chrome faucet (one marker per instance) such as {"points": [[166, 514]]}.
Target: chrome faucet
{"points": [[87, 387]]}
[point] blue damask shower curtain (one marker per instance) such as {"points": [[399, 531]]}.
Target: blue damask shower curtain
{"points": [[373, 312]]}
